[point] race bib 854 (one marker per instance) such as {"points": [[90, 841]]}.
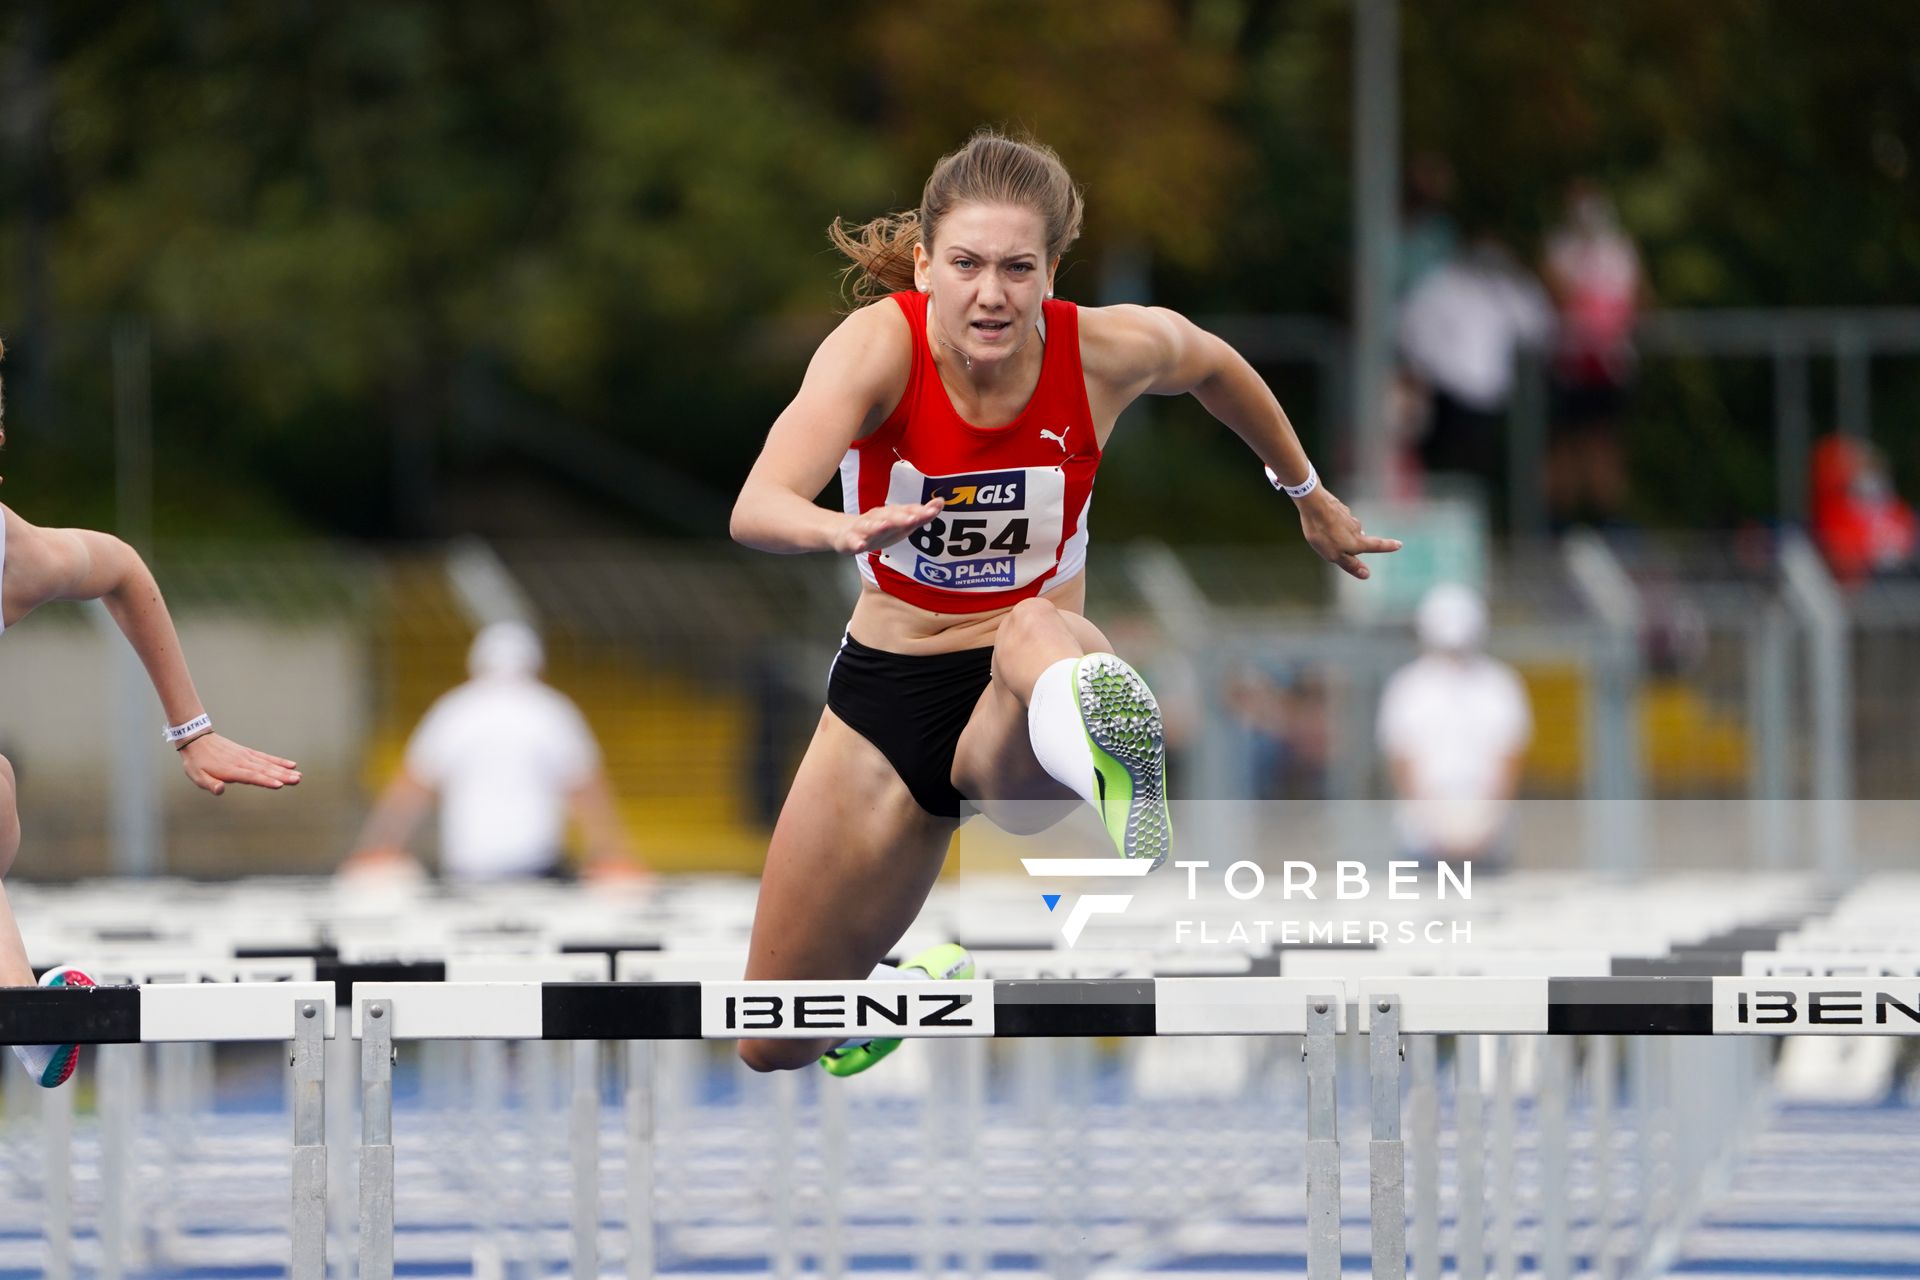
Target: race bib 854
{"points": [[1000, 529]]}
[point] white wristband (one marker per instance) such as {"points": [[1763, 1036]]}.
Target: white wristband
{"points": [[1300, 490], [179, 734]]}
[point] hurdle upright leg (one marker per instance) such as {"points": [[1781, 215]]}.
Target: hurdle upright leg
{"points": [[539, 1121], [309, 1260], [56, 1133], [376, 1142], [833, 1176], [1506, 1190], [1600, 1076], [115, 1100], [973, 1105], [1470, 1156], [1323, 1141], [488, 1139], [1556, 1073], [640, 1138], [1387, 1154], [586, 1159], [933, 1161], [1424, 1105], [1072, 1099], [341, 1151], [783, 1254]]}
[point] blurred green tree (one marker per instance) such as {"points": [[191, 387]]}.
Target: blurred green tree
{"points": [[380, 241]]}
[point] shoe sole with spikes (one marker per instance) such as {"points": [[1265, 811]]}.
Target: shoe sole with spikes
{"points": [[1122, 722]]}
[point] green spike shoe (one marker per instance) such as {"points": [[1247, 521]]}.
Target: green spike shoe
{"points": [[1122, 723], [946, 961]]}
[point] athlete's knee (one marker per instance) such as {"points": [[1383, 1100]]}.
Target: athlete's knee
{"points": [[1034, 611], [777, 1055], [1033, 623]]}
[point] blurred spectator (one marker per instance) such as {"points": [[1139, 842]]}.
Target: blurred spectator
{"points": [[1283, 716], [1593, 271], [509, 758], [1453, 725], [1461, 330], [1429, 236], [1859, 522]]}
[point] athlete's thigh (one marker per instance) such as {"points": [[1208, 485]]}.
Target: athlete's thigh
{"points": [[994, 765], [9, 817], [850, 864]]}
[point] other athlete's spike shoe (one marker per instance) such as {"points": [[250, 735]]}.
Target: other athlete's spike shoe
{"points": [[51, 1064], [946, 961], [1122, 721]]}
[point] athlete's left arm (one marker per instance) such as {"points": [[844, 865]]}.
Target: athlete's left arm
{"points": [[83, 564], [1138, 351]]}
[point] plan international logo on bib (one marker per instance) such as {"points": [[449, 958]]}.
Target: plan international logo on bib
{"points": [[995, 571]]}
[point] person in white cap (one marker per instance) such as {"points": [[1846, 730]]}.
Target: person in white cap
{"points": [[1453, 725], [510, 758]]}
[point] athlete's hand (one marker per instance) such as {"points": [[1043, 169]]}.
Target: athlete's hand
{"points": [[883, 526], [212, 761], [1335, 533]]}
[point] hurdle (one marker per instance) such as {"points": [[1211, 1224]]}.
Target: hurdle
{"points": [[1389, 1011], [298, 1013], [1691, 1080]]}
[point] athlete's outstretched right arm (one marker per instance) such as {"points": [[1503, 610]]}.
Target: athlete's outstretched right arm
{"points": [[856, 377], [82, 564]]}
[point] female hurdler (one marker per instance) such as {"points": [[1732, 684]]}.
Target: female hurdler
{"points": [[38, 565], [966, 412]]}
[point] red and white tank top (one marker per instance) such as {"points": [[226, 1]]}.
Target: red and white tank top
{"points": [[1017, 497]]}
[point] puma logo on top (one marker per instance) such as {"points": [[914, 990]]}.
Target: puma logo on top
{"points": [[1059, 438]]}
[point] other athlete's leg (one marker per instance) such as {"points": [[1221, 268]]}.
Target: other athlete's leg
{"points": [[851, 862], [49, 1064], [14, 969]]}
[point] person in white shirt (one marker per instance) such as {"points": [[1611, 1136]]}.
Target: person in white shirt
{"points": [[1453, 726], [1460, 332], [510, 759]]}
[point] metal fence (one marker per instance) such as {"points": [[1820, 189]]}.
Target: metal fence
{"points": [[1660, 670]]}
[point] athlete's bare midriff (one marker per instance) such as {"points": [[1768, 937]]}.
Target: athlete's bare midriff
{"points": [[881, 621]]}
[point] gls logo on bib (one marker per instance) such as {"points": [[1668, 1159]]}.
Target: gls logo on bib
{"points": [[981, 491]]}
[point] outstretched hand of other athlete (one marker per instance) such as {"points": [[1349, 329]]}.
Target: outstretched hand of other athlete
{"points": [[212, 761], [1334, 532], [884, 526]]}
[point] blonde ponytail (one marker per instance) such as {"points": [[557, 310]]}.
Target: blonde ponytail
{"points": [[881, 254]]}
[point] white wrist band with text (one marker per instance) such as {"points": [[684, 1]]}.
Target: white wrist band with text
{"points": [[180, 734], [1300, 490]]}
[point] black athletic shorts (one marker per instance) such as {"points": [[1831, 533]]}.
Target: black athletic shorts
{"points": [[912, 707]]}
